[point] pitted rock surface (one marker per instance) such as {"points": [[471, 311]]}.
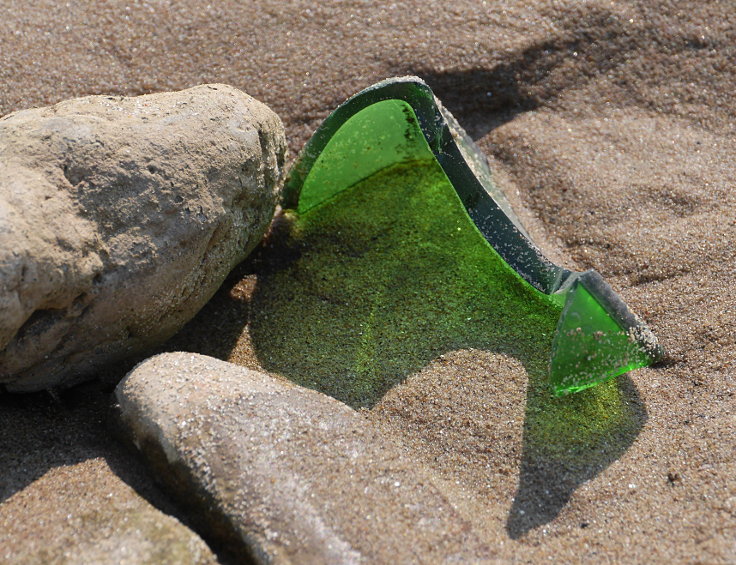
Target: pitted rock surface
{"points": [[120, 217]]}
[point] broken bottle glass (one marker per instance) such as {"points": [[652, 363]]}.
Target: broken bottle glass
{"points": [[399, 123]]}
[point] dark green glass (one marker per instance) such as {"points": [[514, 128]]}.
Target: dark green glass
{"points": [[396, 129]]}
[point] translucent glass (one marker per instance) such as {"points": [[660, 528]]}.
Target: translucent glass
{"points": [[381, 142]]}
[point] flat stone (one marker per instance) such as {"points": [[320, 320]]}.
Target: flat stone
{"points": [[119, 218], [285, 473]]}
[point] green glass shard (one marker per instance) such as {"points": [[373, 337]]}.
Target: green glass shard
{"points": [[588, 341], [399, 122], [383, 134], [384, 278]]}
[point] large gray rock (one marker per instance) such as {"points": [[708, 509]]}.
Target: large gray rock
{"points": [[120, 217], [285, 473]]}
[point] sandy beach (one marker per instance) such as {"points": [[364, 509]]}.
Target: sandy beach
{"points": [[611, 127]]}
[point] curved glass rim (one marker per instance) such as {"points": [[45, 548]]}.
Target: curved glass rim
{"points": [[467, 169]]}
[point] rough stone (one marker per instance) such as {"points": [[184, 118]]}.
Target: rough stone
{"points": [[120, 217], [285, 473]]}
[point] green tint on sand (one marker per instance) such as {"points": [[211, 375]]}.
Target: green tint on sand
{"points": [[391, 274]]}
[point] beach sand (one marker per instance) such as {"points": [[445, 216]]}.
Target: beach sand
{"points": [[611, 127]]}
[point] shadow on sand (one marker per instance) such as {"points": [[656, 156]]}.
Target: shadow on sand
{"points": [[378, 282]]}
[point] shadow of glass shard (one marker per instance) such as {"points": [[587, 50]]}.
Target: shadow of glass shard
{"points": [[395, 136]]}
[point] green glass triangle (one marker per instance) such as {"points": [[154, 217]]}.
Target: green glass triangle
{"points": [[589, 346]]}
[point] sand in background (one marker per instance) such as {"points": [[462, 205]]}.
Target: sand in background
{"points": [[611, 127]]}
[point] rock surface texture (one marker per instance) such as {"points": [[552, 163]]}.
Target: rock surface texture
{"points": [[120, 217], [285, 473]]}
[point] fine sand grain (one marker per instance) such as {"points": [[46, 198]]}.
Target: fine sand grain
{"points": [[611, 126]]}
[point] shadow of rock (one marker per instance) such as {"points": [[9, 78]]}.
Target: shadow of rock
{"points": [[216, 328], [39, 431]]}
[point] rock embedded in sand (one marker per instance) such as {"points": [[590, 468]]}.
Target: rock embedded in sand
{"points": [[120, 217], [285, 473]]}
